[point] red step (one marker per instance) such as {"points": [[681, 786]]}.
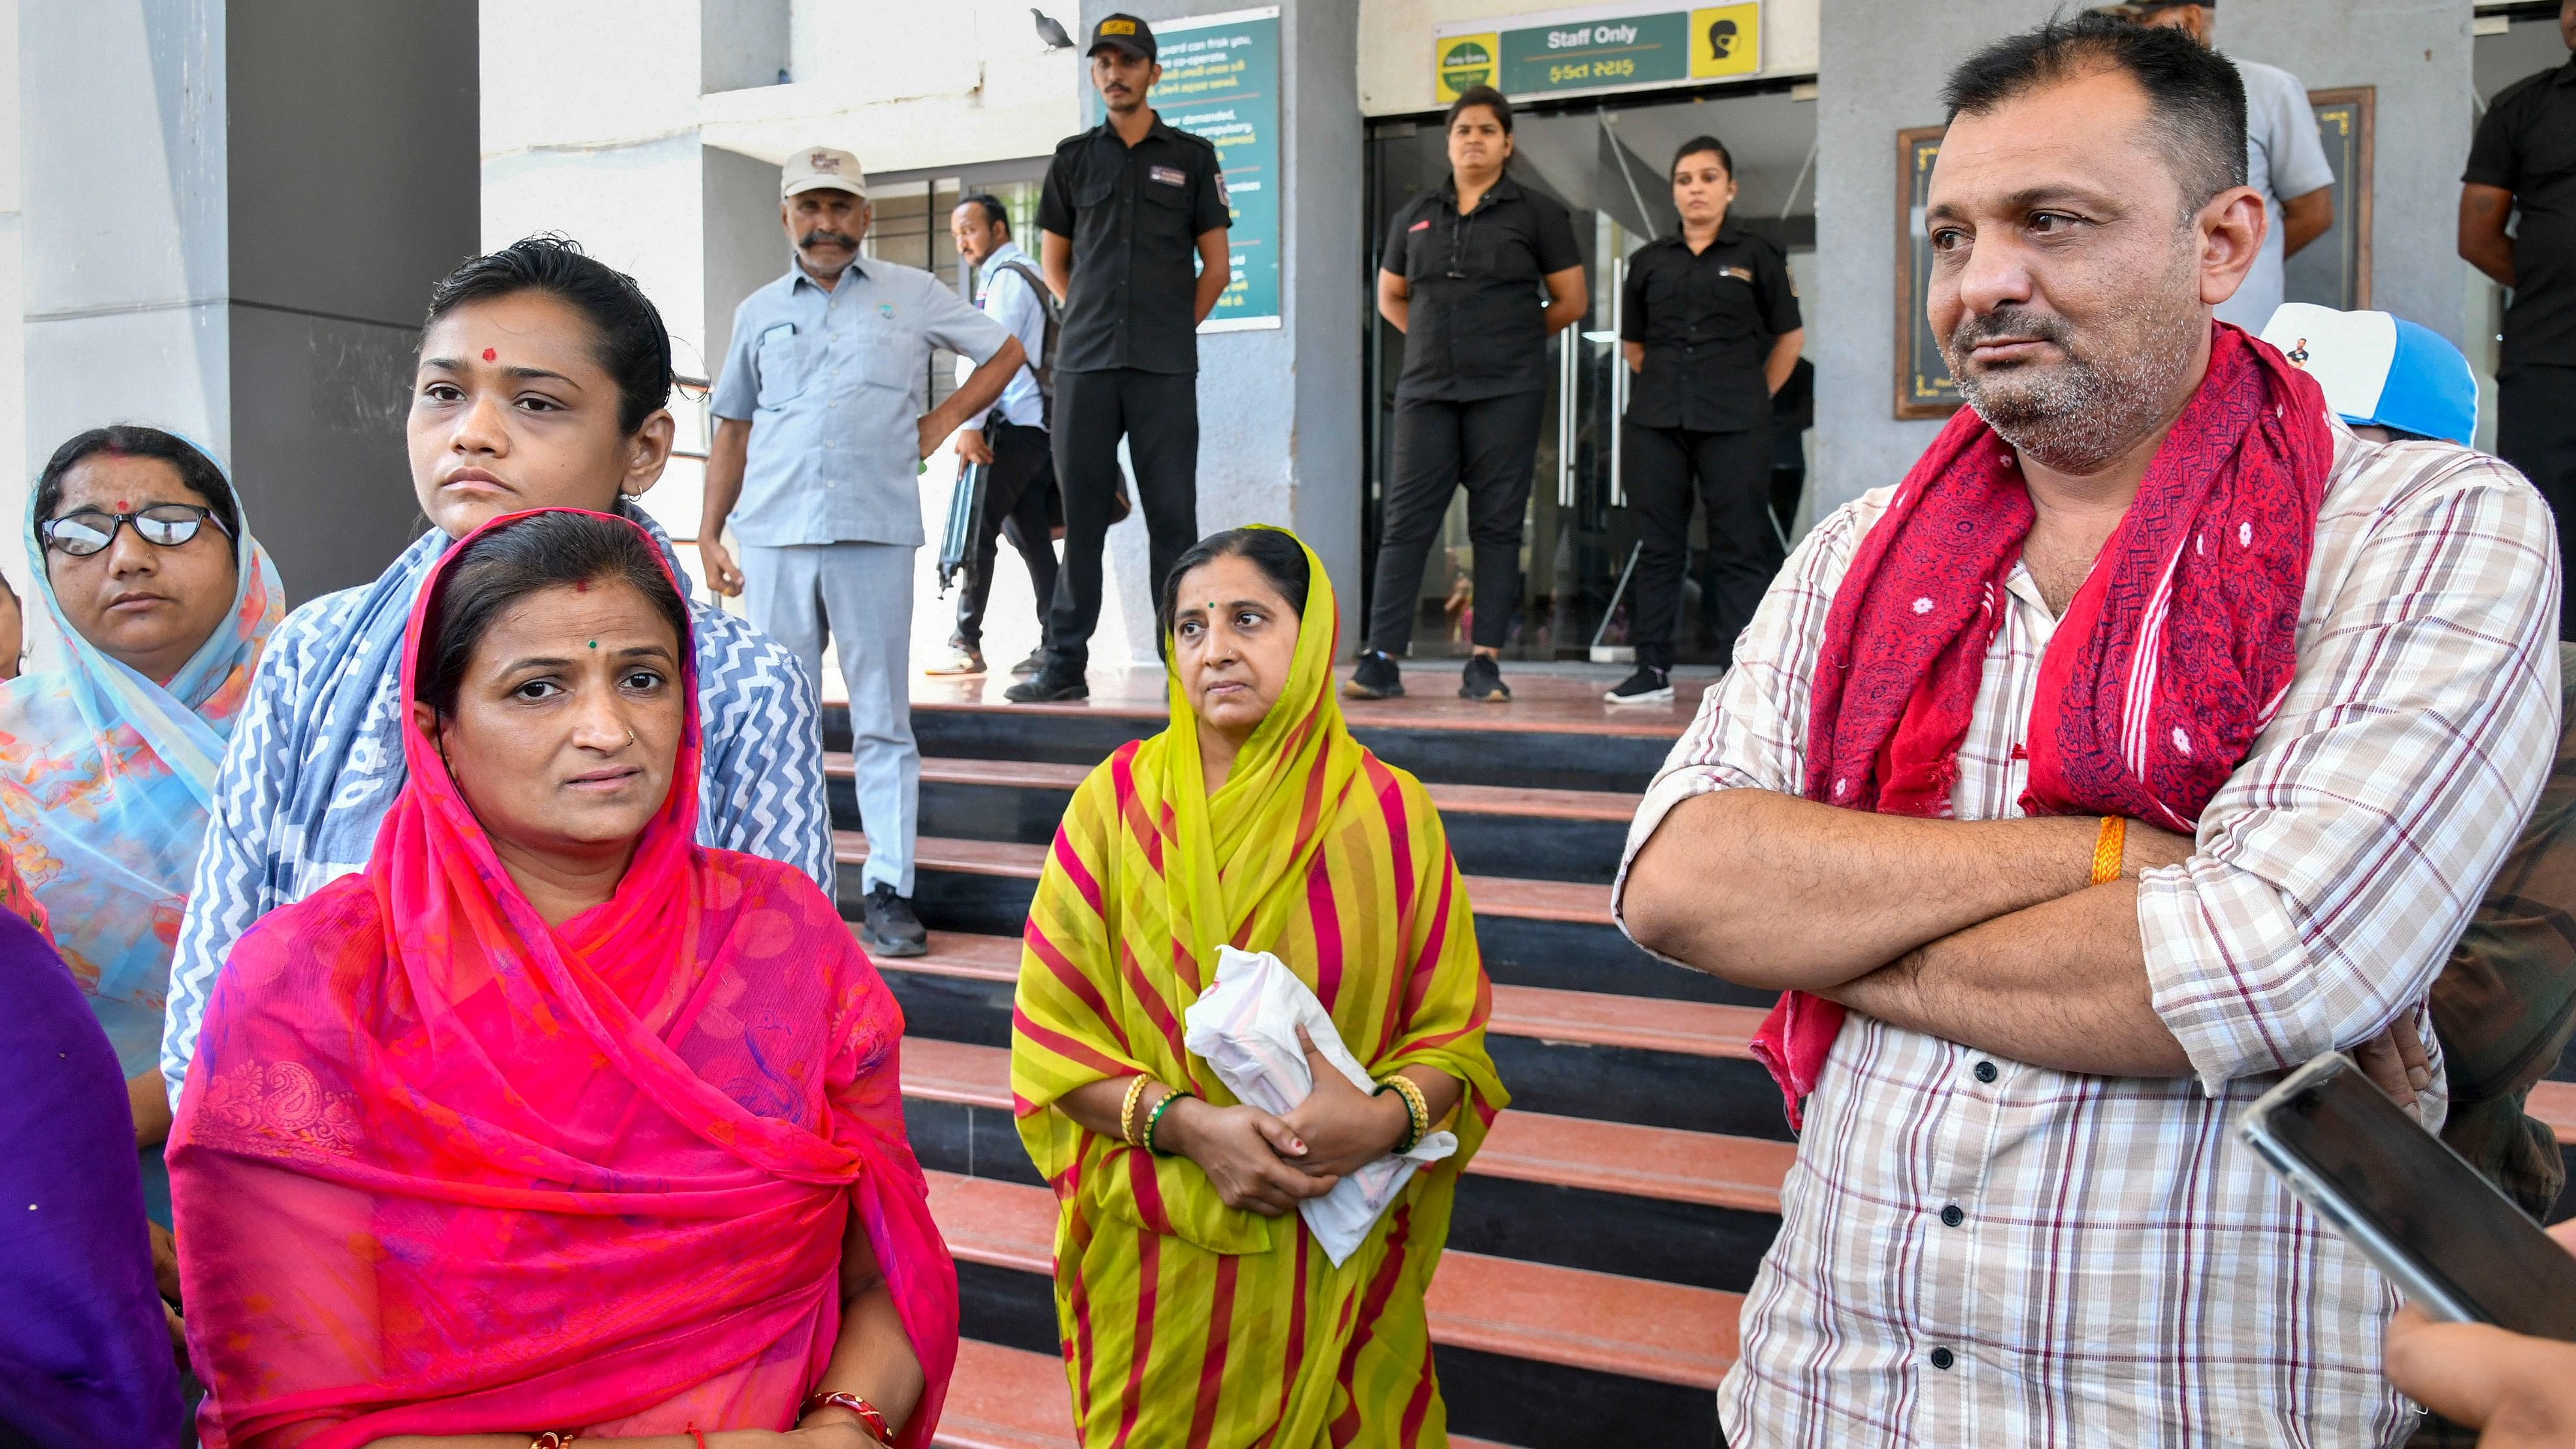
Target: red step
{"points": [[1009, 1398], [1493, 895], [1666, 1332], [1657, 1162], [1591, 1018], [1006, 1398], [1596, 805]]}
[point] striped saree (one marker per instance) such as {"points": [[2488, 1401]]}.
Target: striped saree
{"points": [[1184, 1321]]}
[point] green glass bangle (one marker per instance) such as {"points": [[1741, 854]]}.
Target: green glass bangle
{"points": [[1154, 1119]]}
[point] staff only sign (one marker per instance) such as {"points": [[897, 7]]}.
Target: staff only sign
{"points": [[1605, 48]]}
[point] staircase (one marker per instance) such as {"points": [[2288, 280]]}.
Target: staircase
{"points": [[1604, 1235]]}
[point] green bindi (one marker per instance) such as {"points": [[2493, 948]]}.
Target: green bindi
{"points": [[594, 643]]}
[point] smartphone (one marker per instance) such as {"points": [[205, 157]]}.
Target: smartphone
{"points": [[2447, 1238]]}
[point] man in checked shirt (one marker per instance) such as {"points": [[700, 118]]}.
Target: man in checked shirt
{"points": [[2154, 735]]}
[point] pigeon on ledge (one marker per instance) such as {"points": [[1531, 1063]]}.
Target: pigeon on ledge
{"points": [[1050, 32]]}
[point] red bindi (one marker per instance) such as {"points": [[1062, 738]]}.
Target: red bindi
{"points": [[491, 355], [120, 505], [581, 586]]}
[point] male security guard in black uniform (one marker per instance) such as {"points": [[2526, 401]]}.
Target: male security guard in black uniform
{"points": [[1128, 207], [1709, 322]]}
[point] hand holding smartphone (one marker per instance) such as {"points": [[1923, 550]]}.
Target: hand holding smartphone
{"points": [[2454, 1244]]}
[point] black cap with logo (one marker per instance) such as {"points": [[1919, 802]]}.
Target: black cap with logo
{"points": [[1125, 34]]}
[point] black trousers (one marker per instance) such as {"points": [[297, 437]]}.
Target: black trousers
{"points": [[2536, 432], [1489, 446], [1158, 413], [1733, 471], [1018, 496]]}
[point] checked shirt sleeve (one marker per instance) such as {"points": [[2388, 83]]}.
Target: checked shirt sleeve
{"points": [[1751, 730], [2339, 863]]}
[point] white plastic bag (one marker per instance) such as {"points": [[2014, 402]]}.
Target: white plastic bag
{"points": [[1245, 1026]]}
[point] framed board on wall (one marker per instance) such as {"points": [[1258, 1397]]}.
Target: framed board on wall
{"points": [[2334, 270], [1923, 386]]}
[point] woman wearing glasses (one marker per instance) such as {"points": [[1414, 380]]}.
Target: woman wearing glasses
{"points": [[1461, 278], [163, 602]]}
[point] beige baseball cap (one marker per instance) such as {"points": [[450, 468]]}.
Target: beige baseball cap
{"points": [[817, 167]]}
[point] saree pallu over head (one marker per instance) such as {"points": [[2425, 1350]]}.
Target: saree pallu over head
{"points": [[443, 1169], [105, 778], [1185, 1321], [2169, 662]]}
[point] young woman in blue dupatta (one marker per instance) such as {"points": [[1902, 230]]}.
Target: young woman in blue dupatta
{"points": [[543, 382], [163, 602]]}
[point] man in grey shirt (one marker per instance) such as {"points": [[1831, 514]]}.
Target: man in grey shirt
{"points": [[819, 438], [2284, 160]]}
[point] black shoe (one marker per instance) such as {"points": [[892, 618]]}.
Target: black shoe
{"points": [[887, 925], [1648, 685], [1031, 665], [1048, 687], [1377, 678], [1483, 679]]}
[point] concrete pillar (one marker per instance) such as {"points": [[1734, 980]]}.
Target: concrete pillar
{"points": [[1279, 410], [231, 220], [1881, 70]]}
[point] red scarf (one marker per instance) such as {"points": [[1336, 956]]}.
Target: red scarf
{"points": [[2172, 658]]}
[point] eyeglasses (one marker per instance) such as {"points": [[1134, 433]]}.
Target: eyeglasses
{"points": [[90, 530]]}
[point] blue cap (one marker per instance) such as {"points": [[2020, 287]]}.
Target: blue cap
{"points": [[2380, 370]]}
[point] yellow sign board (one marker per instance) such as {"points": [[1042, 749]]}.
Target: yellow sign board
{"points": [[1466, 61], [1726, 40]]}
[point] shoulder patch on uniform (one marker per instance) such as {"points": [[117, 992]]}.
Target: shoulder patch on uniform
{"points": [[1223, 197]]}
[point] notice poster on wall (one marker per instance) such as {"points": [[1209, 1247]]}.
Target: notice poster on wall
{"points": [[1924, 388], [1600, 49], [1221, 81]]}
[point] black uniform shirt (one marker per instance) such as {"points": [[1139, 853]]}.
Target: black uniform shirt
{"points": [[2527, 145], [1708, 321], [1135, 215], [1476, 318]]}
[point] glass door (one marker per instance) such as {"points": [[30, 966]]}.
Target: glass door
{"points": [[1607, 165]]}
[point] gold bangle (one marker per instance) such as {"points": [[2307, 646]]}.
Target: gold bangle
{"points": [[1127, 1111], [2107, 848], [1417, 1111]]}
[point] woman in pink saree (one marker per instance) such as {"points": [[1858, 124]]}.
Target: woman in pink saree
{"points": [[551, 1123]]}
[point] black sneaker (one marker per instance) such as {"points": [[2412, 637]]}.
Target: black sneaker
{"points": [[1048, 687], [1376, 678], [1031, 665], [1483, 680], [1648, 685], [887, 925]]}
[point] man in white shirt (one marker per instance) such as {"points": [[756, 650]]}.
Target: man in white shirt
{"points": [[1011, 440], [2284, 160]]}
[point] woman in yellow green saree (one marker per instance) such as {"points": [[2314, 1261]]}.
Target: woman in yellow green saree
{"points": [[1194, 1304]]}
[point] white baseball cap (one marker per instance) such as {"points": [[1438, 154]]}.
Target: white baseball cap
{"points": [[819, 167], [2380, 370]]}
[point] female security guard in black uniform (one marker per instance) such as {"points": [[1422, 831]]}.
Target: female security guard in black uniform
{"points": [[1709, 323], [1460, 278]]}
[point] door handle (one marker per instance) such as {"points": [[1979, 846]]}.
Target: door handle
{"points": [[1618, 382], [1566, 431]]}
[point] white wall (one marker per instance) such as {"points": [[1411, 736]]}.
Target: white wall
{"points": [[1395, 43]]}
